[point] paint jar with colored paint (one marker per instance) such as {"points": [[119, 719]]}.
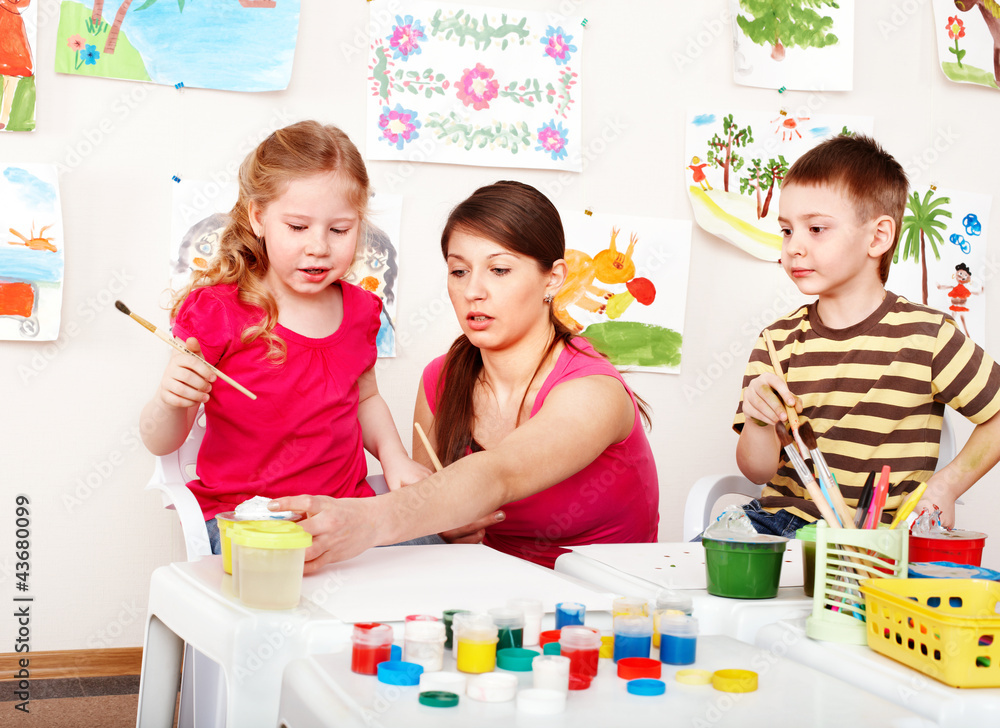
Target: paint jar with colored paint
{"points": [[371, 644], [807, 535], [568, 613], [956, 546], [423, 644], [510, 627], [475, 643], [669, 601], [629, 606], [532, 609], [633, 636], [748, 568], [582, 645], [447, 617], [225, 522], [551, 672], [678, 639], [269, 559]]}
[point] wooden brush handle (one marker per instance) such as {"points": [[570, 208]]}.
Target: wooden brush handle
{"points": [[793, 416], [180, 346]]}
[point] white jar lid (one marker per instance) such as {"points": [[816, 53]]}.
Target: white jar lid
{"points": [[539, 701], [492, 687], [449, 682]]}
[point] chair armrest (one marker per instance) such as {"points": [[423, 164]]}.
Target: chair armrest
{"points": [[703, 495], [178, 496]]}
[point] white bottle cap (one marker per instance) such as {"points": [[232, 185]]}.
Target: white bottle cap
{"points": [[492, 687], [449, 682], [538, 701]]}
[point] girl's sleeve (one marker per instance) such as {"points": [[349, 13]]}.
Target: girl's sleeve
{"points": [[204, 316]]}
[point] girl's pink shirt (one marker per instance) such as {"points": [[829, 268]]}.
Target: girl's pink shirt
{"points": [[614, 499], [301, 435]]}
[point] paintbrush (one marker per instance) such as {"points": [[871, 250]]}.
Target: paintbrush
{"points": [[179, 345], [805, 476], [827, 482], [908, 505], [427, 446], [793, 416], [861, 510]]}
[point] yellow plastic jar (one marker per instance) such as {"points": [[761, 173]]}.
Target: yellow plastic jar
{"points": [[226, 523], [476, 639], [268, 564], [237, 527]]}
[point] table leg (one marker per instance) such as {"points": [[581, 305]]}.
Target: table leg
{"points": [[161, 676]]}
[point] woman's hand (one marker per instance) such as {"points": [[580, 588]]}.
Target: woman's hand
{"points": [[341, 528], [473, 532]]}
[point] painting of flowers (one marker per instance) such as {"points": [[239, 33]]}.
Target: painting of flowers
{"points": [[474, 85], [968, 40], [179, 43]]}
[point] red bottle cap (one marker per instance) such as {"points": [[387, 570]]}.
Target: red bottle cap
{"points": [[631, 668]]}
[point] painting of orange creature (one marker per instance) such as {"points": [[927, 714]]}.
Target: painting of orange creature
{"points": [[608, 266]]}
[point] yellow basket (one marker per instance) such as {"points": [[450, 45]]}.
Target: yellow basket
{"points": [[948, 629]]}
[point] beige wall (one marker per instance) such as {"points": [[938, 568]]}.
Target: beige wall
{"points": [[646, 63]]}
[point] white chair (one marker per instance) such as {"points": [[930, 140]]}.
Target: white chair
{"points": [[205, 706], [706, 492]]}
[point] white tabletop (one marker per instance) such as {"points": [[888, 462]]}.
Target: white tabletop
{"points": [[863, 667], [642, 570], [322, 691]]}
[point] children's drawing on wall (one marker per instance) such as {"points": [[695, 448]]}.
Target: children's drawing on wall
{"points": [[18, 30], [968, 40], [200, 213], [793, 44], [941, 257], [627, 287], [376, 265], [238, 45], [475, 85], [31, 253], [736, 164]]}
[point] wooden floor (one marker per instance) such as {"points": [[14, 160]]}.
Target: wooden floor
{"points": [[98, 702]]}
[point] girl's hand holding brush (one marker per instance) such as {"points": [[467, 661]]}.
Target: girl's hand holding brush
{"points": [[187, 380]]}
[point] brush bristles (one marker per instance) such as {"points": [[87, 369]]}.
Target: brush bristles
{"points": [[808, 436], [123, 308], [783, 437]]}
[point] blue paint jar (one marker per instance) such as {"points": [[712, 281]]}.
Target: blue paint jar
{"points": [[569, 613], [678, 639], [633, 636]]}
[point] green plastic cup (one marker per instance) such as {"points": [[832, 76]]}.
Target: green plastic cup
{"points": [[744, 569], [807, 535]]}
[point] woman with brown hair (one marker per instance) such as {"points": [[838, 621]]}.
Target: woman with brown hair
{"points": [[526, 416]]}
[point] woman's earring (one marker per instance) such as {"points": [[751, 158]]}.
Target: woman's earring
{"points": [[547, 299]]}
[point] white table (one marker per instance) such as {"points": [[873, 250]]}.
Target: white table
{"points": [[644, 569], [322, 691], [861, 666], [193, 602]]}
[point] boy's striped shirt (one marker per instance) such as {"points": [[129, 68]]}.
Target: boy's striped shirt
{"points": [[875, 395]]}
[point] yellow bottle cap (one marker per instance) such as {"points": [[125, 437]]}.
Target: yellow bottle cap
{"points": [[693, 677], [734, 681]]}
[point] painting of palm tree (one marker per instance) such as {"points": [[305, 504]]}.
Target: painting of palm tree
{"points": [[112, 41], [922, 223]]}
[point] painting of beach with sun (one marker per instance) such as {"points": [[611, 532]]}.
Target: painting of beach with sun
{"points": [[734, 164], [475, 85], [804, 45], [941, 258], [968, 40], [626, 288], [32, 252], [237, 45]]}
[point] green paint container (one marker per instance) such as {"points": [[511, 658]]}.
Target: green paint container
{"points": [[744, 569]]}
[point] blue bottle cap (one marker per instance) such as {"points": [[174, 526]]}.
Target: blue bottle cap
{"points": [[395, 672], [395, 653], [644, 686]]}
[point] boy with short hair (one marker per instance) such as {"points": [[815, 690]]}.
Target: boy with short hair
{"points": [[868, 369]]}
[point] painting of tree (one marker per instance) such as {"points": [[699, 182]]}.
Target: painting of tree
{"points": [[787, 24], [112, 40], [922, 223], [722, 152], [764, 176]]}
